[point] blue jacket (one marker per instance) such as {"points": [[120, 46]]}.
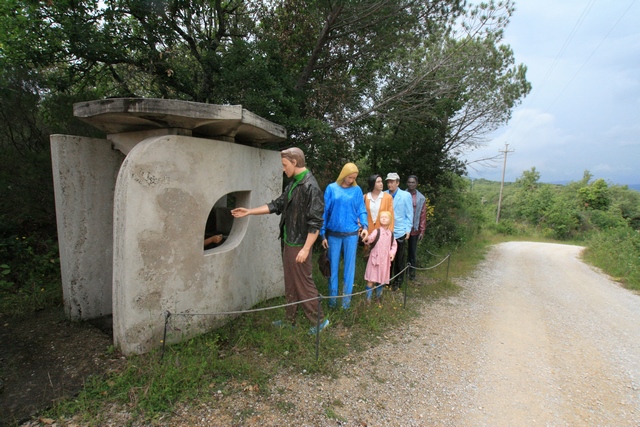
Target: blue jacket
{"points": [[402, 213], [344, 210]]}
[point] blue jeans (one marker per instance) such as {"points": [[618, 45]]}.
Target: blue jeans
{"points": [[346, 246]]}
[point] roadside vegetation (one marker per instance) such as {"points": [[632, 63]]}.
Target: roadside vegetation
{"points": [[245, 353], [603, 217]]}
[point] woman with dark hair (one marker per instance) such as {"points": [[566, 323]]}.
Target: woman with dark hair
{"points": [[376, 201]]}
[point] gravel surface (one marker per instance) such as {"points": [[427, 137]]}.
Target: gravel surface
{"points": [[536, 338]]}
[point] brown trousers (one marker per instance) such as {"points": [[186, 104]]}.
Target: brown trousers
{"points": [[299, 285]]}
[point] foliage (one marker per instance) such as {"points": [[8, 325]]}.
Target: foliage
{"points": [[626, 203], [29, 274], [400, 85], [595, 195], [616, 251], [605, 217], [457, 216], [560, 218]]}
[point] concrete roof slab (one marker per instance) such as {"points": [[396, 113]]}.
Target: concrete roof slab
{"points": [[119, 115]]}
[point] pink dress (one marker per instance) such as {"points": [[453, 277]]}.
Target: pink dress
{"points": [[379, 266]]}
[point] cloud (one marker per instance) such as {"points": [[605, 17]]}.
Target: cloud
{"points": [[584, 65]]}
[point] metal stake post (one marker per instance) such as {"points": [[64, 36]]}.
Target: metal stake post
{"points": [[167, 314], [318, 330]]}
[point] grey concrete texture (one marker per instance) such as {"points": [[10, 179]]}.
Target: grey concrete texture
{"points": [[85, 171], [132, 211], [165, 190], [226, 122]]}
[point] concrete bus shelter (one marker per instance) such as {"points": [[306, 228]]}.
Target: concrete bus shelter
{"points": [[132, 210]]}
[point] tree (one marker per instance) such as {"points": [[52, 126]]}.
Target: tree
{"points": [[595, 195], [440, 99], [393, 84]]}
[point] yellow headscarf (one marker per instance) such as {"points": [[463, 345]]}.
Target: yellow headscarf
{"points": [[347, 170]]}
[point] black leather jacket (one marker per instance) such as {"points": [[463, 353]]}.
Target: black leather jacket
{"points": [[303, 213]]}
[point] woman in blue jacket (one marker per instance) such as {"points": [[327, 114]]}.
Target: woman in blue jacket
{"points": [[345, 219]]}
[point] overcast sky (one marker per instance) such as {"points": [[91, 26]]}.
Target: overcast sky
{"points": [[583, 113]]}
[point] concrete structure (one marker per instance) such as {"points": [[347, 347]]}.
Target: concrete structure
{"points": [[132, 210]]}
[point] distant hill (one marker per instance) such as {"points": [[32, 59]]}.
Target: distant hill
{"points": [[485, 182], [635, 187]]}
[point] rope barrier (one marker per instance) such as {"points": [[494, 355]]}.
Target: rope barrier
{"points": [[254, 310], [433, 266], [319, 298], [432, 254]]}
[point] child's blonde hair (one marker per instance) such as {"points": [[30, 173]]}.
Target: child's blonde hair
{"points": [[387, 214]]}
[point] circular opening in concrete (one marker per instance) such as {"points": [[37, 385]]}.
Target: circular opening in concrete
{"points": [[220, 222]]}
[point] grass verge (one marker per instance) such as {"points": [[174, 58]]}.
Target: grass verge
{"points": [[246, 352], [617, 253]]}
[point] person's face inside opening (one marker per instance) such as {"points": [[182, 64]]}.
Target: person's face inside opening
{"points": [[412, 184], [349, 180], [392, 185], [289, 168], [385, 220], [379, 185]]}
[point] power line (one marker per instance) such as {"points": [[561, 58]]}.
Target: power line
{"points": [[592, 53], [573, 32]]}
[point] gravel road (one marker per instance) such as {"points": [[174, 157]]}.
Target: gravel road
{"points": [[536, 338]]}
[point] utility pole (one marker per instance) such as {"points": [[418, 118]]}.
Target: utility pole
{"points": [[504, 167]]}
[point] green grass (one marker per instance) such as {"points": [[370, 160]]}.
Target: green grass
{"points": [[617, 253], [246, 352]]}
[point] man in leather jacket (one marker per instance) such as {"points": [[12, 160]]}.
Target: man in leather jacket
{"points": [[301, 206]]}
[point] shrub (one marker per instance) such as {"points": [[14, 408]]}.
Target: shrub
{"points": [[561, 218], [607, 219], [29, 274], [617, 252]]}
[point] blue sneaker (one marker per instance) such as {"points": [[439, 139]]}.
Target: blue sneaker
{"points": [[323, 325]]}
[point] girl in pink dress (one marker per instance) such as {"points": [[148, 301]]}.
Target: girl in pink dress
{"points": [[383, 250]]}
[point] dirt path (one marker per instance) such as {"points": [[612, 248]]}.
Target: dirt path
{"points": [[537, 338], [559, 341]]}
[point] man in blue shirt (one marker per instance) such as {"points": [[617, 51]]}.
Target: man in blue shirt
{"points": [[403, 221]]}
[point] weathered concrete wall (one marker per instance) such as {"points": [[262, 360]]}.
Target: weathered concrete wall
{"points": [[165, 190], [85, 171]]}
